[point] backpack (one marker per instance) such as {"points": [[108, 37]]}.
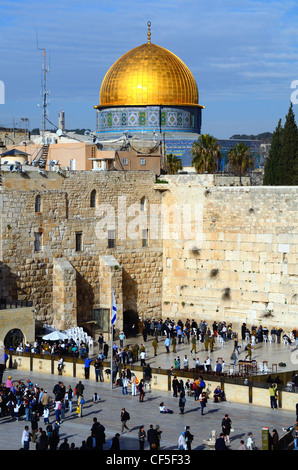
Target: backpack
{"points": [[127, 416]]}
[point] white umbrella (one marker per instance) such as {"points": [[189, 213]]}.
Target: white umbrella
{"points": [[55, 336]]}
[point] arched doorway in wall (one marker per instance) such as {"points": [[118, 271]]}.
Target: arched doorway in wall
{"points": [[130, 318], [13, 338]]}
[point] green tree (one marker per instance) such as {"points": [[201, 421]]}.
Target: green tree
{"points": [[272, 164], [205, 154], [240, 159], [174, 164], [289, 152]]}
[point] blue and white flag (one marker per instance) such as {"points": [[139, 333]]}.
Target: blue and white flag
{"points": [[114, 310]]}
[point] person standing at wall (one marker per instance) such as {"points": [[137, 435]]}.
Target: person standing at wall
{"points": [[273, 395]]}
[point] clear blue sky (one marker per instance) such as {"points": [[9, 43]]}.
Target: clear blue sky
{"points": [[242, 53]]}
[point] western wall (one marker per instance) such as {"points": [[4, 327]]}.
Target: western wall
{"points": [[211, 251], [242, 265]]}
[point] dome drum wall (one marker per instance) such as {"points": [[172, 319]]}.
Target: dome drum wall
{"points": [[149, 119]]}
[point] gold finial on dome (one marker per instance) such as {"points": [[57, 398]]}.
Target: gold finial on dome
{"points": [[149, 32]]}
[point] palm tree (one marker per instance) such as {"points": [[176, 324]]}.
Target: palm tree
{"points": [[174, 164], [240, 159], [205, 154]]}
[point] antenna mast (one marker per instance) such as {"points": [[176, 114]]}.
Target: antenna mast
{"points": [[44, 92]]}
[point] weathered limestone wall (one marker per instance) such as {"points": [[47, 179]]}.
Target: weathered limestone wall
{"points": [[242, 266], [21, 318], [214, 252], [64, 294], [65, 210]]}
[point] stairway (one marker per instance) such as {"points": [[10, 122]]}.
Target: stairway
{"points": [[42, 160]]}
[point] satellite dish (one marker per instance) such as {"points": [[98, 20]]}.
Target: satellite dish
{"points": [[59, 132]]}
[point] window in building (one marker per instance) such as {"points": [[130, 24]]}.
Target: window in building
{"points": [[142, 161], [79, 239], [125, 161], [93, 198], [111, 238], [144, 237], [38, 203], [37, 241]]}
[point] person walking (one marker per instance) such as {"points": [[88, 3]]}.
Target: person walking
{"points": [[124, 417], [26, 438], [188, 437], [142, 437], [181, 442], [250, 444], [226, 425], [155, 346], [167, 344], [80, 405], [70, 395], [193, 344], [249, 351], [182, 401], [141, 390], [203, 402], [79, 389]]}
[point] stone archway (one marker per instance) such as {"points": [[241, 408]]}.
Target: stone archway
{"points": [[13, 338], [130, 317]]}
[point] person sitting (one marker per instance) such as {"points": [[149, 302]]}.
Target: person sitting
{"points": [[218, 395], [163, 409]]}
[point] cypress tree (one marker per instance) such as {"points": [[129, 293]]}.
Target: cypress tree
{"points": [[272, 165], [289, 151]]}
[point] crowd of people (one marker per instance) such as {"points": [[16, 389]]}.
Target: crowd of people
{"points": [[28, 401]]}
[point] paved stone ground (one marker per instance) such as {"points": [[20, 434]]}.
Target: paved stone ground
{"points": [[245, 418]]}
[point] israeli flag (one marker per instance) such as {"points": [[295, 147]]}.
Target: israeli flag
{"points": [[114, 310]]}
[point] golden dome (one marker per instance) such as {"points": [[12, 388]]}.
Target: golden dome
{"points": [[148, 75]]}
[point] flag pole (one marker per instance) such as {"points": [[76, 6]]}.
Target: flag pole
{"points": [[111, 375], [113, 321]]}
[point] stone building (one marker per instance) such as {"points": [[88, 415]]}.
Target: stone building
{"points": [[182, 247]]}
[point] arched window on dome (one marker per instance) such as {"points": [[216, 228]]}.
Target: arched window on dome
{"points": [[93, 198], [38, 203]]}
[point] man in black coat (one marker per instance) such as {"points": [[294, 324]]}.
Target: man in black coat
{"points": [[98, 431], [175, 385], [220, 443], [152, 437]]}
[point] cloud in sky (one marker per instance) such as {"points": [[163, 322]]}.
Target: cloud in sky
{"points": [[243, 55]]}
